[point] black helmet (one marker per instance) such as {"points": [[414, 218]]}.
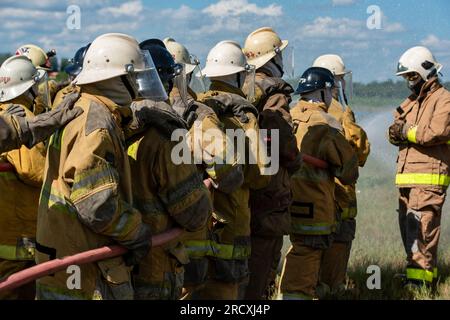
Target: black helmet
{"points": [[163, 59], [76, 64], [315, 78]]}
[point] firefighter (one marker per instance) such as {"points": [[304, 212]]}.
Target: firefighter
{"points": [[168, 194], [421, 130], [313, 211], [200, 119], [229, 248], [270, 206], [86, 200], [21, 184], [335, 260]]}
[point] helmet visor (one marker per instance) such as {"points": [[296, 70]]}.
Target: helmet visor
{"points": [[197, 80], [147, 81], [249, 84], [43, 99], [180, 82], [288, 62]]}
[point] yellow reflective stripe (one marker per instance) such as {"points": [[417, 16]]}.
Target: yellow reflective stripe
{"points": [[8, 175], [52, 197], [12, 253], [202, 248], [56, 139], [411, 135], [89, 180], [419, 274], [422, 178], [133, 150], [215, 170], [313, 228], [348, 213]]}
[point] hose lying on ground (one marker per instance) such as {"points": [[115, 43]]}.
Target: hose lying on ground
{"points": [[44, 269]]}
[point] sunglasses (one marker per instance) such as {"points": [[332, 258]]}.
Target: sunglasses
{"points": [[411, 76]]}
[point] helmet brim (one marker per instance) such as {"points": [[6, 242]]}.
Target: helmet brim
{"points": [[219, 71]]}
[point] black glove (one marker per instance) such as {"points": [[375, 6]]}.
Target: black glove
{"points": [[148, 113], [140, 248], [15, 110], [398, 132], [44, 125]]}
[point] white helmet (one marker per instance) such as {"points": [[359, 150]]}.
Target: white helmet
{"points": [[17, 75], [37, 55], [262, 45], [180, 54], [224, 59], [332, 62], [418, 59], [111, 55]]}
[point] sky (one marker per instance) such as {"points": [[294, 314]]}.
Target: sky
{"points": [[312, 27]]}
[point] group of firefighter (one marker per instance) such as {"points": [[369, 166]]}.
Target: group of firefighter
{"points": [[90, 163]]}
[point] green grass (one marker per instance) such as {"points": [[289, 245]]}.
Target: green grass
{"points": [[374, 104]]}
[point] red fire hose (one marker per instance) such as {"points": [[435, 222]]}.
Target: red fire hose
{"points": [[316, 162], [44, 269], [6, 167]]}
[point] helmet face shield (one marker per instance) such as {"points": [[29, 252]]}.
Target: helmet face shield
{"points": [[288, 62], [43, 92], [198, 82], [180, 82], [343, 90], [249, 86], [147, 81], [348, 85]]}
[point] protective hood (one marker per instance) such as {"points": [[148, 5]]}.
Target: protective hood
{"points": [[113, 89], [271, 69]]}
